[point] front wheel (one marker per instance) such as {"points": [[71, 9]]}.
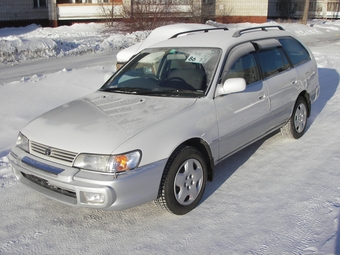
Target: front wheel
{"points": [[297, 123], [183, 181]]}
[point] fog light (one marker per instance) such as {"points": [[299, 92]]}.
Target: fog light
{"points": [[97, 198]]}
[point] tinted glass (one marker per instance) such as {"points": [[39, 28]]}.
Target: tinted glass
{"points": [[296, 52], [273, 61], [245, 67]]}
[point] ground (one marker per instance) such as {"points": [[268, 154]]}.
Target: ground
{"points": [[278, 196]]}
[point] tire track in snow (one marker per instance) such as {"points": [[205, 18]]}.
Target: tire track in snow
{"points": [[25, 241], [304, 237]]}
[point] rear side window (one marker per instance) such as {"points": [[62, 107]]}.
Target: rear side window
{"points": [[273, 61], [296, 52]]}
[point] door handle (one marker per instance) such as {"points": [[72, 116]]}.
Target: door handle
{"points": [[262, 96]]}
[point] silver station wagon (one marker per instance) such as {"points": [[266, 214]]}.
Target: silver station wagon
{"points": [[156, 129]]}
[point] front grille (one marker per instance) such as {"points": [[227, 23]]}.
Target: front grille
{"points": [[53, 154], [44, 183]]}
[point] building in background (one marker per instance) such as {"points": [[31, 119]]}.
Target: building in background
{"points": [[293, 9], [23, 12], [62, 12]]}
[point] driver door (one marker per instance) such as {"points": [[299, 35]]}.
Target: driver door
{"points": [[242, 117]]}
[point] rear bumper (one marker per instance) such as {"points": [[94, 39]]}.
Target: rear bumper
{"points": [[72, 184]]}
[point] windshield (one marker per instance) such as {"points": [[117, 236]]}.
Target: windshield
{"points": [[184, 72]]}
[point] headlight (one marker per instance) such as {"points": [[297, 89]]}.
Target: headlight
{"points": [[108, 163], [22, 142]]}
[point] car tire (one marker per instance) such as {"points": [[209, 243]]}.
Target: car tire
{"points": [[296, 126], [183, 182]]}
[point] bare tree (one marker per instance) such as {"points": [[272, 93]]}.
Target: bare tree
{"points": [[305, 12], [193, 11], [318, 10], [148, 14], [108, 11], [287, 8], [203, 10]]}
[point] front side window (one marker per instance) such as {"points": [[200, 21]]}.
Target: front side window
{"points": [[273, 61], [183, 72], [39, 3], [296, 52], [245, 67]]}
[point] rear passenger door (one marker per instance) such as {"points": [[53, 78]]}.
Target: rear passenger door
{"points": [[301, 60], [242, 117], [280, 78]]}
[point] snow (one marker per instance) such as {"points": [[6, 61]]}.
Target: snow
{"points": [[278, 196], [33, 42]]}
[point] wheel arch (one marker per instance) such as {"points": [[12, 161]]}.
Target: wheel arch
{"points": [[204, 148], [304, 94]]}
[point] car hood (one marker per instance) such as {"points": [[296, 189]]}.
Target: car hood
{"points": [[101, 122]]}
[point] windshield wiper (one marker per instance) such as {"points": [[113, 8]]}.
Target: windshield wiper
{"points": [[146, 92], [126, 90], [183, 91], [173, 92]]}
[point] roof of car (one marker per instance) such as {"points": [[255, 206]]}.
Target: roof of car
{"points": [[169, 30], [221, 38]]}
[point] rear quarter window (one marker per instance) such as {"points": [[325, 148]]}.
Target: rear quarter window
{"points": [[296, 52]]}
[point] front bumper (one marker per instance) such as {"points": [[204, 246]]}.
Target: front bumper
{"points": [[71, 185]]}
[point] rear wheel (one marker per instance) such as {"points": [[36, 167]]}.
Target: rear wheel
{"points": [[183, 181], [297, 123]]}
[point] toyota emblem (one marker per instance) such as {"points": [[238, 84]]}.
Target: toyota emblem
{"points": [[48, 152]]}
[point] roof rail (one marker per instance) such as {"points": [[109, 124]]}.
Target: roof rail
{"points": [[263, 28], [205, 30]]}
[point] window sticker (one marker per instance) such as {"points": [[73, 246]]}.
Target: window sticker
{"points": [[199, 57]]}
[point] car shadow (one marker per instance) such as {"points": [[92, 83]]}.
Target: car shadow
{"points": [[329, 82], [337, 241], [226, 168]]}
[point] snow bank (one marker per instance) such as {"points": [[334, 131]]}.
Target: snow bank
{"points": [[34, 42]]}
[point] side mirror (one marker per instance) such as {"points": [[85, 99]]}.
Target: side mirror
{"points": [[231, 85]]}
